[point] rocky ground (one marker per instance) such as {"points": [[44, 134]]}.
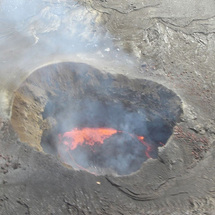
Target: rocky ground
{"points": [[171, 43]]}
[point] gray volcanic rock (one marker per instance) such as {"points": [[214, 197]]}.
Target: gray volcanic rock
{"points": [[169, 42]]}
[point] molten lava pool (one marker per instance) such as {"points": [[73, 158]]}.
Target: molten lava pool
{"points": [[99, 150], [93, 120]]}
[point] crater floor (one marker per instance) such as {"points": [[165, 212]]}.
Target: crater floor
{"points": [[66, 96]]}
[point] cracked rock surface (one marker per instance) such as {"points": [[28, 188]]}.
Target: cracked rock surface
{"points": [[169, 42]]}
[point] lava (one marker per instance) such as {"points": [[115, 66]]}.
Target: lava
{"points": [[89, 136], [92, 136], [95, 137]]}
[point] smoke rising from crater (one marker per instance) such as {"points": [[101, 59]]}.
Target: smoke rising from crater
{"points": [[46, 31], [83, 99], [61, 27], [34, 33]]}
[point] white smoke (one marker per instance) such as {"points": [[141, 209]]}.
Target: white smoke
{"points": [[34, 33]]}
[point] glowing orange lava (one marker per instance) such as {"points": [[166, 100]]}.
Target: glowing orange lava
{"points": [[92, 136], [89, 136], [96, 154]]}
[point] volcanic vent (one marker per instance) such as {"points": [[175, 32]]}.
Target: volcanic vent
{"points": [[94, 121]]}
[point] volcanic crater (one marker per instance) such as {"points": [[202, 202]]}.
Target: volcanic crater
{"points": [[93, 120]]}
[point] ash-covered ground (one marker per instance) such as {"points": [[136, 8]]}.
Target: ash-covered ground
{"points": [[171, 43]]}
